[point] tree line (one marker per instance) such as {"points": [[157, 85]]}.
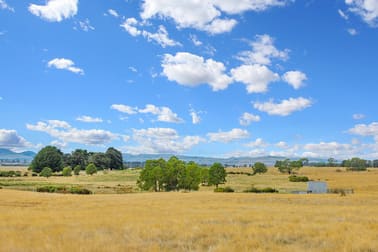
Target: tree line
{"points": [[53, 158], [175, 174]]}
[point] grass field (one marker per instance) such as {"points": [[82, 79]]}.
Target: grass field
{"points": [[194, 221]]}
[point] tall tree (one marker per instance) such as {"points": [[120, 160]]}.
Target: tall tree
{"points": [[115, 158], [259, 167], [190, 177], [217, 174], [79, 157], [151, 177], [49, 156], [287, 166], [100, 160]]}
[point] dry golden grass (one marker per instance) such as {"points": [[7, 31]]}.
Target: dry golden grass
{"points": [[197, 221]]}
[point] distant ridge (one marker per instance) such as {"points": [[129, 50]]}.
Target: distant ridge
{"points": [[8, 156]]}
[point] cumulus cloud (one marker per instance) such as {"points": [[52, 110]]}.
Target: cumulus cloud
{"points": [[55, 10], [161, 36], [64, 132], [204, 15], [11, 139], [192, 70], [161, 140], [295, 78], [124, 109], [263, 51], [358, 116], [256, 77], [247, 118], [195, 40], [365, 130], [228, 136], [258, 143], [196, 118], [328, 149], [285, 107], [5, 6], [114, 13], [65, 64], [89, 119], [366, 9], [164, 114], [282, 145]]}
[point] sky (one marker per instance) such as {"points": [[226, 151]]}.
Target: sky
{"points": [[217, 78]]}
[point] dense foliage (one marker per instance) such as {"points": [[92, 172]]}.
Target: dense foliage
{"points": [[49, 156], [288, 166], [91, 169], [217, 174], [46, 172], [259, 167]]}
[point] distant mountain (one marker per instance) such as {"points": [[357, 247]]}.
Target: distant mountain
{"points": [[8, 156], [237, 161]]}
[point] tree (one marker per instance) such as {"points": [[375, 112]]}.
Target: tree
{"points": [[287, 166], [190, 177], [91, 169], [151, 177], [46, 172], [355, 164], [331, 162], [80, 157], [77, 170], [174, 171], [204, 176], [115, 158], [100, 160], [259, 167], [217, 174], [67, 171], [49, 156]]}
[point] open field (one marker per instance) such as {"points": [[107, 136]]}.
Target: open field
{"points": [[195, 221]]}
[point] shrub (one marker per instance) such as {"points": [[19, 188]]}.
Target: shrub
{"points": [[263, 190], [34, 174], [79, 190], [294, 178], [67, 171], [63, 189], [10, 174], [46, 172], [91, 169], [226, 189], [77, 170]]}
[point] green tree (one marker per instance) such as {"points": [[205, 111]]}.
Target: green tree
{"points": [[80, 157], [204, 175], [67, 171], [217, 174], [287, 166], [115, 158], [49, 156], [100, 160], [174, 170], [77, 170], [190, 177], [151, 177], [355, 164], [331, 162], [259, 167], [91, 169], [46, 172]]}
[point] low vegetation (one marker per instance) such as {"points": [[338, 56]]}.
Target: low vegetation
{"points": [[295, 178], [253, 189]]}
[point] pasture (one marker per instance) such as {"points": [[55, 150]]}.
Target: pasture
{"points": [[191, 221]]}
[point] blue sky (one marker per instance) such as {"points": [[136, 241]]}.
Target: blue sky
{"points": [[209, 78]]}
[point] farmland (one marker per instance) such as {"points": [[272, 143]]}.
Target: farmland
{"points": [[112, 220]]}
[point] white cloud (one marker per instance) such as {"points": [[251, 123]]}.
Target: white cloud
{"points": [[85, 26], [195, 40], [65, 64], [328, 149], [89, 119], [282, 145], [161, 36], [247, 118], [161, 140], [295, 78], [228, 136], [342, 14], [5, 6], [11, 139], [67, 134], [164, 114], [263, 51], [365, 130], [256, 77], [358, 116], [133, 69], [352, 31], [55, 10], [192, 70], [124, 109], [204, 15], [285, 107], [367, 9], [196, 119], [114, 13], [258, 143]]}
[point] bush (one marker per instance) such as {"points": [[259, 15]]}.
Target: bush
{"points": [[10, 174], [294, 178], [67, 171], [91, 169], [79, 190], [46, 172], [63, 189], [77, 170], [226, 189], [263, 190]]}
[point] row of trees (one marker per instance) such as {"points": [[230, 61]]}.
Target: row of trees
{"points": [[175, 174], [52, 157]]}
